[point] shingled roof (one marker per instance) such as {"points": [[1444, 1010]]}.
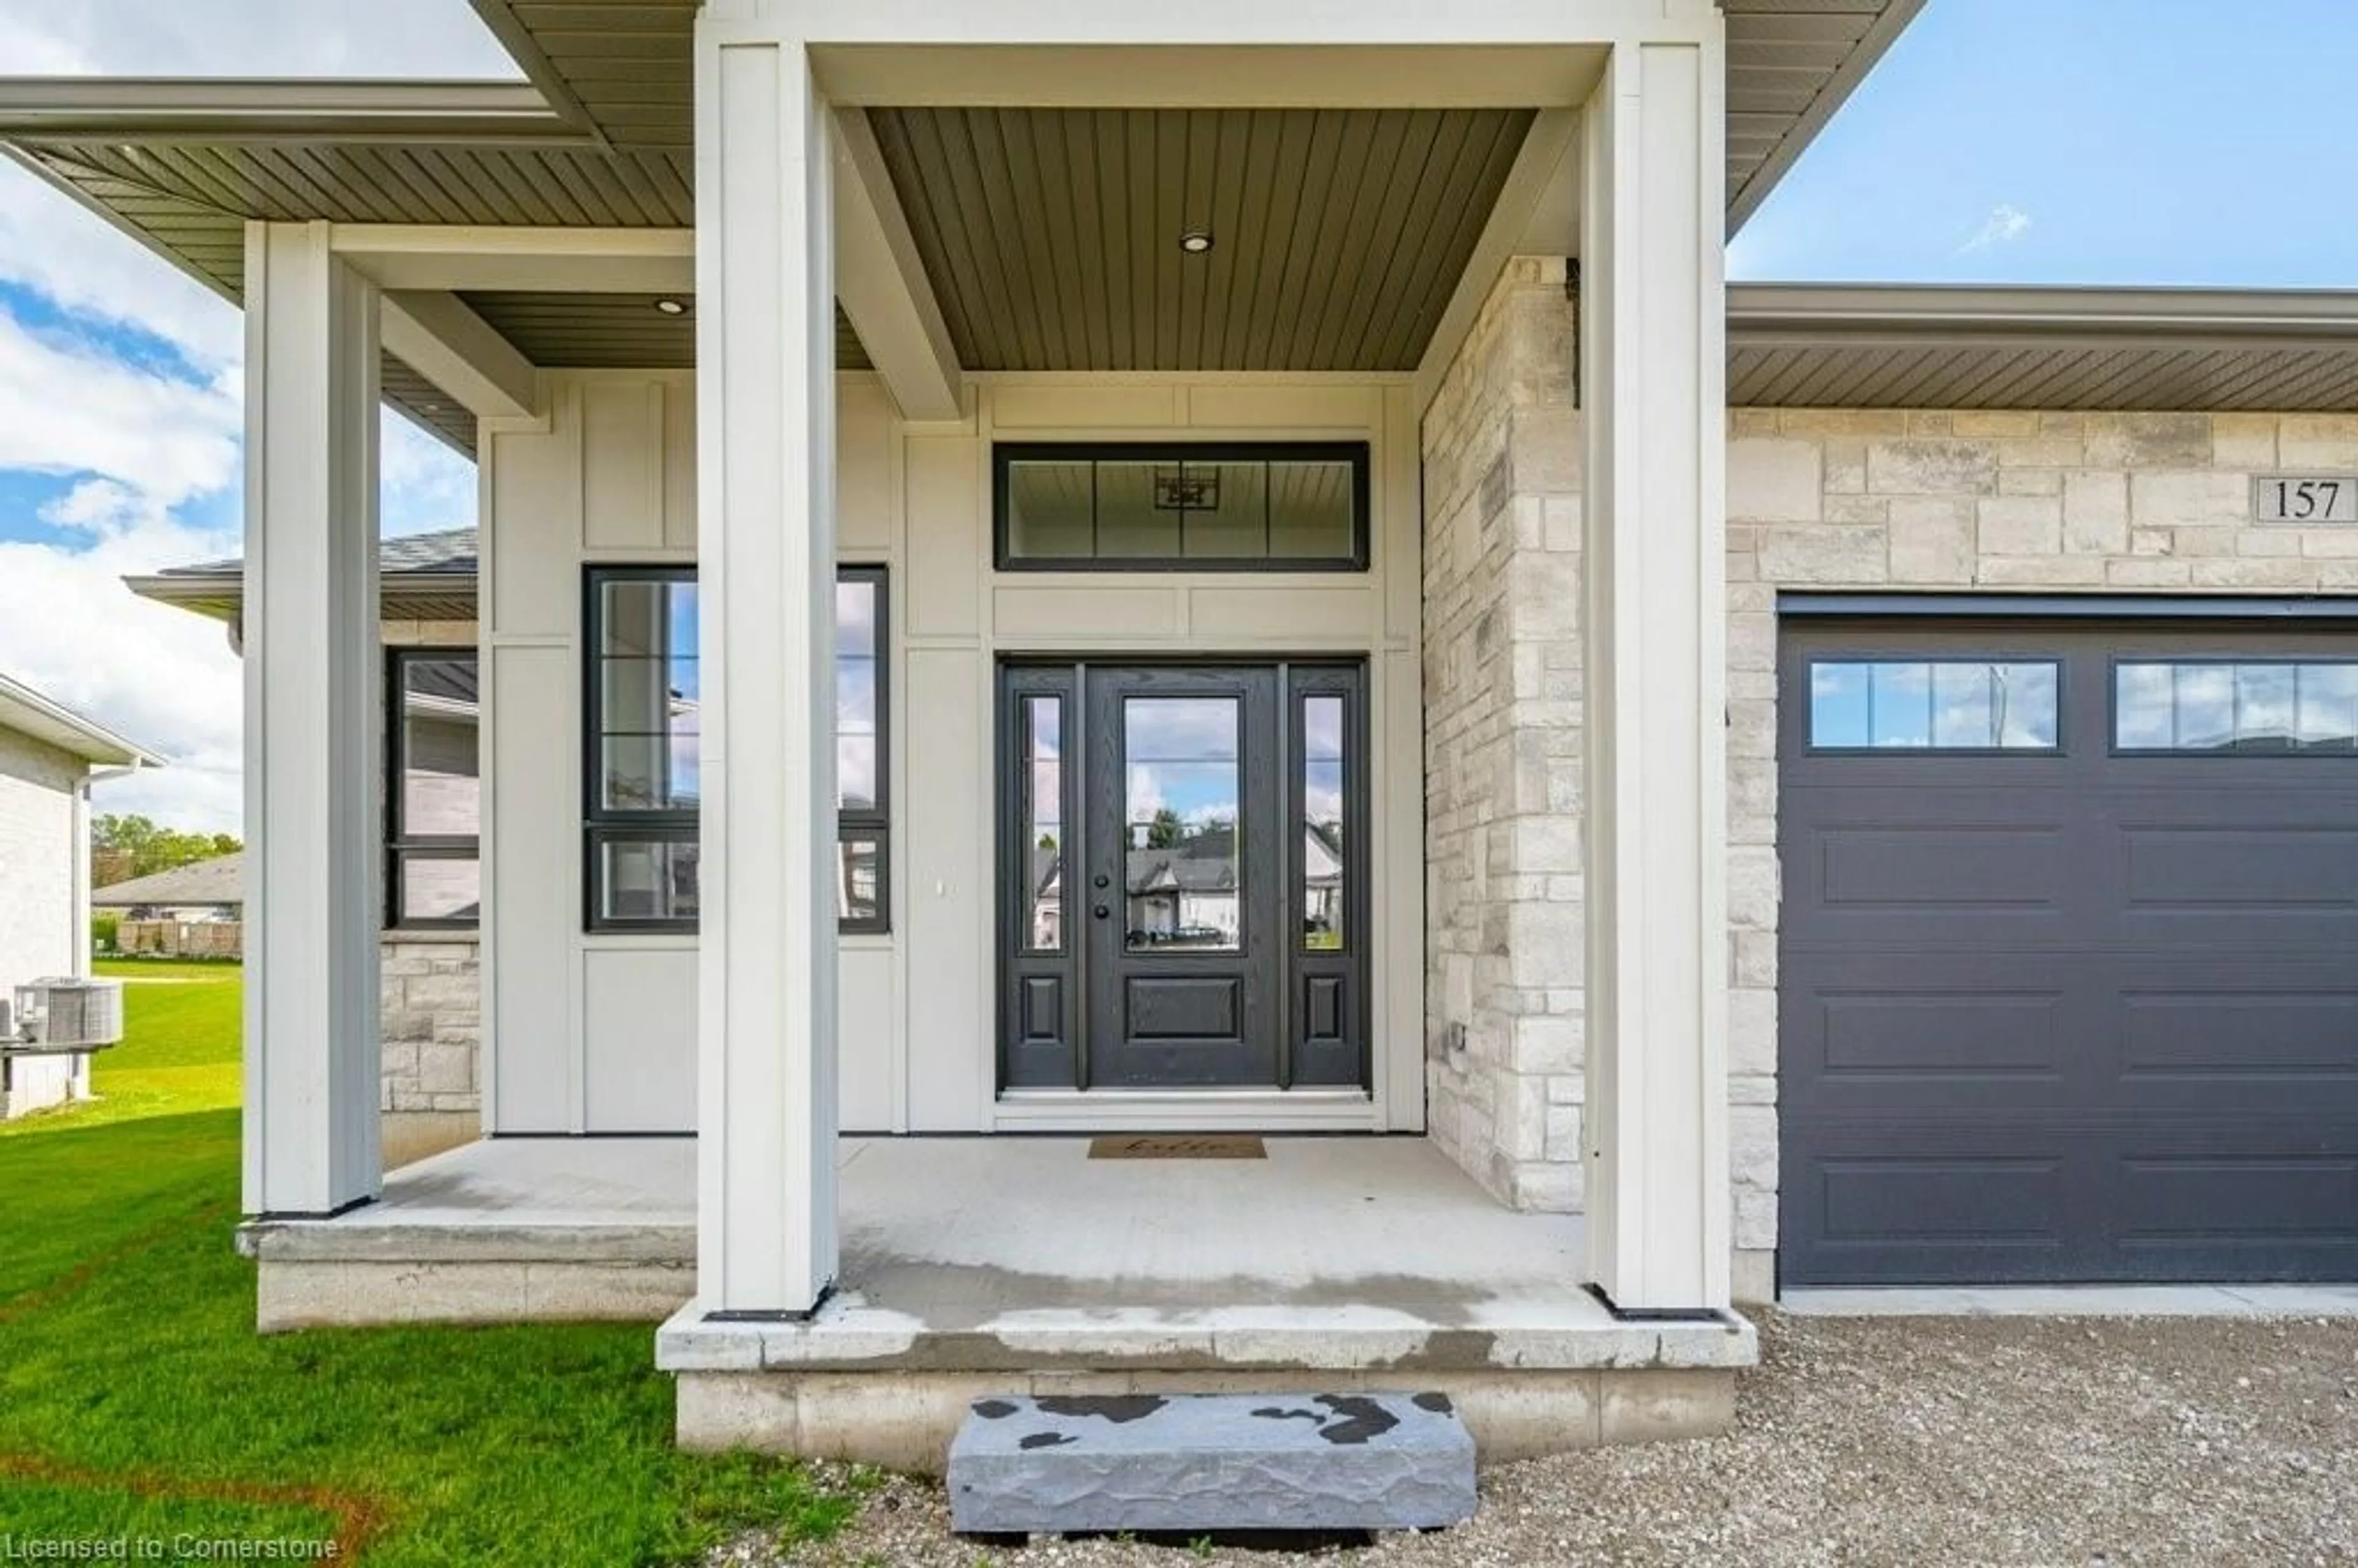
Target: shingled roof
{"points": [[220, 880], [421, 577]]}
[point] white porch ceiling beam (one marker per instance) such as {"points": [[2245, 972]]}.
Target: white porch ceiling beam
{"points": [[1211, 54], [438, 337], [1541, 172], [1217, 23], [564, 261], [881, 281], [1459, 76]]}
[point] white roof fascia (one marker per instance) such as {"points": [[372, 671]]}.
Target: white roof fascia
{"points": [[1822, 314], [256, 109], [28, 712]]}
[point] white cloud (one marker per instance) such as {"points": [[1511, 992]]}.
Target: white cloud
{"points": [[48, 244], [249, 38], [424, 486], [33, 47], [2006, 225], [68, 405], [150, 447], [160, 677]]}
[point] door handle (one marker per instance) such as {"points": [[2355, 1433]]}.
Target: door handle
{"points": [[1102, 912]]}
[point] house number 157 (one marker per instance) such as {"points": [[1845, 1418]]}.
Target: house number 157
{"points": [[2305, 498]]}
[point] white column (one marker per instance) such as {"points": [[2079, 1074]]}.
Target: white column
{"points": [[766, 541], [313, 705], [1653, 383]]}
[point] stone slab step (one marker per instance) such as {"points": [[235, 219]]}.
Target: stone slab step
{"points": [[1059, 1465]]}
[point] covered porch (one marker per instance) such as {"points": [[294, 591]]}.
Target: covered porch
{"points": [[974, 1266], [1530, 585], [1517, 330]]}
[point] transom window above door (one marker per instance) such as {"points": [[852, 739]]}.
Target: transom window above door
{"points": [[1099, 506]]}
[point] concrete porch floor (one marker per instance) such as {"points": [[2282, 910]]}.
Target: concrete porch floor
{"points": [[974, 1265]]}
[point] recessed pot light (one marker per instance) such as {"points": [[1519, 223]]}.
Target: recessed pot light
{"points": [[672, 307], [1195, 242]]}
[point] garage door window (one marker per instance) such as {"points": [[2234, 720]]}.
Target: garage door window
{"points": [[1933, 704], [2247, 706]]}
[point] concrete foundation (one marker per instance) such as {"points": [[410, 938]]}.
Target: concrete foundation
{"points": [[308, 1293], [906, 1421], [993, 1266], [983, 1266], [494, 1231]]}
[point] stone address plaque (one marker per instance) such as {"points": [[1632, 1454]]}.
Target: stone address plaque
{"points": [[2305, 498]]}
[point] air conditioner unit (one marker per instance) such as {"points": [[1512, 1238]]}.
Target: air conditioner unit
{"points": [[65, 1014]]}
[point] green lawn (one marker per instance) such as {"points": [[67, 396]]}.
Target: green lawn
{"points": [[136, 1399]]}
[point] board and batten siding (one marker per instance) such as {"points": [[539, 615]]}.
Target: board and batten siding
{"points": [[596, 1031]]}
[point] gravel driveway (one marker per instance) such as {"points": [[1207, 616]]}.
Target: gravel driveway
{"points": [[1915, 1442]]}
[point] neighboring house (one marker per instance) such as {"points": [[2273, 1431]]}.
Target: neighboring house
{"points": [[192, 911], [431, 885], [203, 890], [1820, 785], [50, 757]]}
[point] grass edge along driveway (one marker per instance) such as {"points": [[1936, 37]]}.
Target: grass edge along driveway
{"points": [[136, 1400]]}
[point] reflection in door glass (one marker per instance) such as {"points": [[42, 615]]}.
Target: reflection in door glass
{"points": [[1180, 826], [1043, 824], [1323, 860]]}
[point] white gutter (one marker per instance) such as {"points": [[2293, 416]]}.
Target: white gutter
{"points": [[22, 708], [1811, 312], [215, 109]]}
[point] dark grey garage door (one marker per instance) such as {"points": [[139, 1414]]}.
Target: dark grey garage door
{"points": [[2069, 977]]}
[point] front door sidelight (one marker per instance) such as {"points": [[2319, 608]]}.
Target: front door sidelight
{"points": [[1183, 897]]}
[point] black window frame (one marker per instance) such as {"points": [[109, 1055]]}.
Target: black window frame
{"points": [[2114, 664], [602, 825], [400, 846], [874, 821], [1813, 660], [1004, 455]]}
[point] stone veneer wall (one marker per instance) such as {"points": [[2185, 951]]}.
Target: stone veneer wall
{"points": [[433, 1022], [1892, 500], [1503, 748], [1936, 501]]}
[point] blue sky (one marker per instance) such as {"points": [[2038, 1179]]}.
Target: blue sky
{"points": [[120, 388], [2085, 141], [2001, 141]]}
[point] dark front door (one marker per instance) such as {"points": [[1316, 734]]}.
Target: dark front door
{"points": [[1180, 803], [1181, 860]]}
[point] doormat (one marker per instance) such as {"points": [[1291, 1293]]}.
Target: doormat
{"points": [[1178, 1146]]}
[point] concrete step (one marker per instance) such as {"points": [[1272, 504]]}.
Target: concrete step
{"points": [[1060, 1464]]}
